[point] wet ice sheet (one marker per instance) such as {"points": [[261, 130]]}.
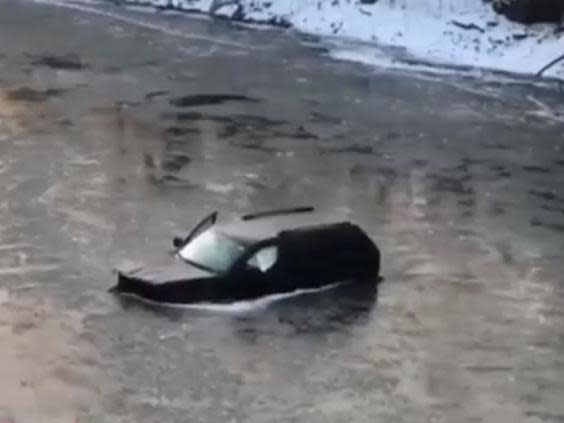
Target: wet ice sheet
{"points": [[48, 373]]}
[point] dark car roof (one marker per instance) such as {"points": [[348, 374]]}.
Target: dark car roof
{"points": [[263, 228]]}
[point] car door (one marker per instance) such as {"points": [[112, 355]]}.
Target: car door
{"points": [[303, 258], [315, 256]]}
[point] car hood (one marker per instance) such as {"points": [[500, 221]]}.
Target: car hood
{"points": [[176, 271]]}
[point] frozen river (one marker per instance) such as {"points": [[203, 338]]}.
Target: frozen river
{"points": [[115, 135]]}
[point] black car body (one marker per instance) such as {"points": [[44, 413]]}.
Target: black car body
{"points": [[256, 255]]}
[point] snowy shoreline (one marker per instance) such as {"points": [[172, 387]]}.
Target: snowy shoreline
{"points": [[445, 33]]}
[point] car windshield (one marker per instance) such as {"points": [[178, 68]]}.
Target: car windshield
{"points": [[212, 251]]}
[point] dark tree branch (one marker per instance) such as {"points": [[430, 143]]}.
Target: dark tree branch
{"points": [[550, 64]]}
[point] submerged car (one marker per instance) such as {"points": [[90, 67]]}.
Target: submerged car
{"points": [[272, 252]]}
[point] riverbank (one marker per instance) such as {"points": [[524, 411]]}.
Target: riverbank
{"points": [[448, 33]]}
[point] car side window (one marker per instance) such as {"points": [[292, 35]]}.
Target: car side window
{"points": [[264, 259]]}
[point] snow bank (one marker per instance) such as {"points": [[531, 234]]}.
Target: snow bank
{"points": [[445, 32]]}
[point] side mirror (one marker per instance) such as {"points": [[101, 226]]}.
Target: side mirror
{"points": [[178, 242]]}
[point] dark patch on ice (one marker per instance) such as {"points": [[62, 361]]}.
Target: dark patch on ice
{"points": [[259, 186], [169, 181], [421, 62], [264, 133], [442, 183], [151, 62], [33, 95], [420, 163], [175, 181], [550, 208], [193, 116], [501, 171], [495, 146], [504, 250], [496, 210], [536, 169], [555, 226], [392, 135], [358, 169], [489, 369], [176, 131], [175, 162], [68, 62], [387, 172], [197, 100], [545, 195], [559, 162], [228, 131], [176, 144], [353, 149], [559, 227], [309, 38], [323, 118], [149, 161], [300, 133], [469, 202], [241, 119], [65, 123], [232, 129], [257, 146], [257, 127], [154, 94], [471, 161], [319, 49], [112, 70], [252, 123], [464, 167]]}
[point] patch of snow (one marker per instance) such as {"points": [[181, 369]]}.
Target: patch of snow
{"points": [[448, 32]]}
